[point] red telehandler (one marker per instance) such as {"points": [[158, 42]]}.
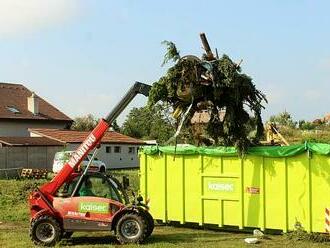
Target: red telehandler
{"points": [[89, 201]]}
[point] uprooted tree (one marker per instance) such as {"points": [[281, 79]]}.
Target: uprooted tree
{"points": [[215, 86]]}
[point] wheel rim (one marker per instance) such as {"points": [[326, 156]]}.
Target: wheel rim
{"points": [[130, 229], [45, 232]]}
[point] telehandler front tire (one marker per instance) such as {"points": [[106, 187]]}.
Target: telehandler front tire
{"points": [[131, 228], [45, 231]]}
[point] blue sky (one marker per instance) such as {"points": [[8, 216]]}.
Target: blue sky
{"points": [[83, 55]]}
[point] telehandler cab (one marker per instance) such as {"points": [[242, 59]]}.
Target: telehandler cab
{"points": [[89, 201]]}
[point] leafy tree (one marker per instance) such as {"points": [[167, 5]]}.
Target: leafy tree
{"points": [[84, 123], [149, 123], [306, 125], [283, 119]]}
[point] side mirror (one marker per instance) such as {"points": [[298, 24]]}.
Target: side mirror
{"points": [[125, 182]]}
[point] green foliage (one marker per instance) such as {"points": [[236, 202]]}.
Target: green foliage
{"points": [[221, 86], [306, 125], [149, 123], [283, 119], [172, 53], [84, 123], [301, 131]]}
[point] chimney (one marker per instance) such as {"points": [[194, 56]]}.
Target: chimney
{"points": [[33, 104]]}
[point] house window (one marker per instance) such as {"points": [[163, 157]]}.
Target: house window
{"points": [[13, 109], [117, 149], [131, 149], [108, 149]]}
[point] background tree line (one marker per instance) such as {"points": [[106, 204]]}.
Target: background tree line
{"points": [[157, 124]]}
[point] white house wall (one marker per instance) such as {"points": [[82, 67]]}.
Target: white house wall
{"points": [[113, 160], [20, 128]]}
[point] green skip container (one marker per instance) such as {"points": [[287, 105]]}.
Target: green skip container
{"points": [[269, 188]]}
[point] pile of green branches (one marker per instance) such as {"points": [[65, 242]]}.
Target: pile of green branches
{"points": [[215, 85]]}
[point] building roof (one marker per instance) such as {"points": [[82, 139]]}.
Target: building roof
{"points": [[13, 105], [29, 141], [69, 136]]}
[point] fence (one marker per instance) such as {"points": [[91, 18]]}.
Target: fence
{"points": [[28, 157]]}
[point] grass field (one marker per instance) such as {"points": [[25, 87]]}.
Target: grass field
{"points": [[15, 234], [14, 227]]}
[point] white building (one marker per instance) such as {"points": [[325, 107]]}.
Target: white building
{"points": [[117, 150]]}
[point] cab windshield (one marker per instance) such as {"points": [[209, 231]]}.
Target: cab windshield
{"points": [[92, 185]]}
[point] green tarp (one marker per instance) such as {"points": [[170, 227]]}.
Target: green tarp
{"points": [[265, 151]]}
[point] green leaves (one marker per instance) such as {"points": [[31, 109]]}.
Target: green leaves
{"points": [[148, 123], [84, 123], [171, 54]]}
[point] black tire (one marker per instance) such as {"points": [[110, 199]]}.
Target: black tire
{"points": [[131, 228], [151, 223], [67, 235], [45, 231], [102, 169]]}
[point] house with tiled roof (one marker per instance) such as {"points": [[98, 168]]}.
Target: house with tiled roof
{"points": [[116, 151], [21, 109], [32, 131]]}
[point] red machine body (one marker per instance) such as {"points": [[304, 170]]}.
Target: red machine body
{"points": [[60, 206], [43, 198]]}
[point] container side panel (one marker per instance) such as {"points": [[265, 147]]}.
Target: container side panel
{"points": [[320, 166], [221, 187], [193, 192], [174, 187], [231, 213], [212, 165], [156, 185], [221, 182], [143, 176], [298, 191], [212, 211], [275, 193], [272, 193], [231, 165], [252, 191]]}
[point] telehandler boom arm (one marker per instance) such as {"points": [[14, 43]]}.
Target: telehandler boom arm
{"points": [[92, 140]]}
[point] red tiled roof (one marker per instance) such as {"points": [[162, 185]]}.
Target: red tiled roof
{"points": [[29, 141], [69, 136], [15, 95]]}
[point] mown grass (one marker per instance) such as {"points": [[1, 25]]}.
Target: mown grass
{"points": [[13, 198], [14, 226], [16, 234]]}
